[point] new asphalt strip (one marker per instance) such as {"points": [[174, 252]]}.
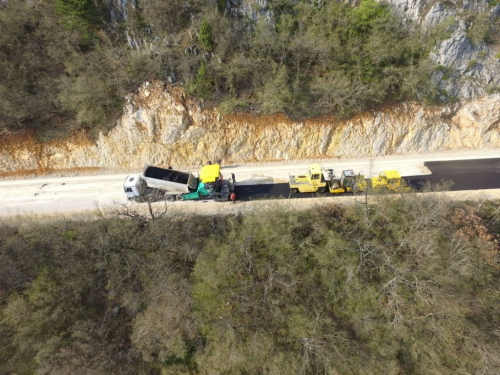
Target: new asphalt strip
{"points": [[464, 174]]}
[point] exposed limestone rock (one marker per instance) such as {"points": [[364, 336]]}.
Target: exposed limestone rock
{"points": [[438, 13], [410, 9], [118, 8], [253, 9], [473, 68], [164, 127]]}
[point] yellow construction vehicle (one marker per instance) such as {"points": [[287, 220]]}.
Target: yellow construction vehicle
{"points": [[348, 182], [390, 180], [316, 182], [312, 182]]}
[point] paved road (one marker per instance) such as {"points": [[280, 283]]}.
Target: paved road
{"points": [[49, 195], [465, 174]]}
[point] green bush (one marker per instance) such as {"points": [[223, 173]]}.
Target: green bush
{"points": [[200, 85], [480, 27], [205, 35], [81, 15]]}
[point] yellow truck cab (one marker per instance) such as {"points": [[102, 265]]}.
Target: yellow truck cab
{"points": [[311, 182]]}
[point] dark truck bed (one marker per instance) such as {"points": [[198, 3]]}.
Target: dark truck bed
{"points": [[166, 175]]}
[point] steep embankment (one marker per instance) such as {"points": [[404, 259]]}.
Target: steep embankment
{"points": [[161, 125]]}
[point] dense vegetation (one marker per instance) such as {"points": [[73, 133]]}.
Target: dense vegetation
{"points": [[67, 64], [407, 285]]}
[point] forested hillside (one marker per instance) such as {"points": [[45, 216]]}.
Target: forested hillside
{"points": [[67, 64], [407, 285]]}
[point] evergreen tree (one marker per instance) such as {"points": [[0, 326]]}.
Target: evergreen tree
{"points": [[206, 38], [201, 84], [79, 14]]}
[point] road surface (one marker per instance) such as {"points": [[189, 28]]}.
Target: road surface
{"points": [[63, 195], [466, 175]]}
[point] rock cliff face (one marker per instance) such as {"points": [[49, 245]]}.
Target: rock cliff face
{"points": [[162, 126], [118, 8]]}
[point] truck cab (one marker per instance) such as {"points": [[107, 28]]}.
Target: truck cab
{"points": [[311, 182], [133, 186]]}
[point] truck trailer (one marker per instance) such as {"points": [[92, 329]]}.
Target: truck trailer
{"points": [[156, 183]]}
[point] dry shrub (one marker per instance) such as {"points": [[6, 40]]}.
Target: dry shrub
{"points": [[472, 227], [165, 330]]}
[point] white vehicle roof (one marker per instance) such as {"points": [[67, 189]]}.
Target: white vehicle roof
{"points": [[131, 180], [349, 173]]}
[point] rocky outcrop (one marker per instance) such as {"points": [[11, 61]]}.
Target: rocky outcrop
{"points": [[162, 126], [118, 8], [468, 69]]}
